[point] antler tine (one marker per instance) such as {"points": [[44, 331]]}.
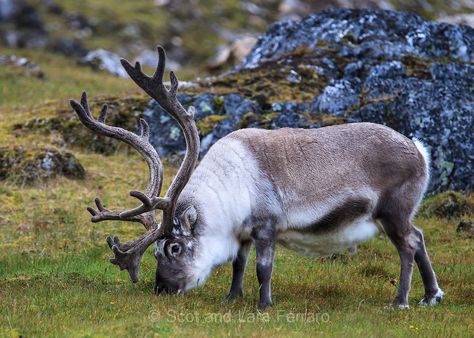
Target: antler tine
{"points": [[144, 129], [141, 144], [160, 67], [155, 88], [103, 114], [128, 255]]}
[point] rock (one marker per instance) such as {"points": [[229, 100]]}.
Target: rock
{"points": [[161, 3], [215, 116], [465, 227], [369, 34], [21, 26], [7, 9], [148, 58], [29, 68], [68, 47], [165, 134], [53, 7], [292, 9], [338, 97], [234, 53], [293, 77], [80, 23], [234, 107], [439, 112], [104, 60], [22, 165], [27, 16], [448, 204]]}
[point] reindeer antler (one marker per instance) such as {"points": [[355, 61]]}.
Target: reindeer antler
{"points": [[154, 87], [128, 255]]}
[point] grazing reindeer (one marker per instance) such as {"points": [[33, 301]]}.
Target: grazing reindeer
{"points": [[316, 191]]}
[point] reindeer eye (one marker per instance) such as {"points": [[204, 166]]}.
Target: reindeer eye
{"points": [[174, 249]]}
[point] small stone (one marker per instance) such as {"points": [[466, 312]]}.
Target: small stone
{"points": [[104, 60], [465, 226], [68, 47], [30, 68], [293, 77], [233, 53]]}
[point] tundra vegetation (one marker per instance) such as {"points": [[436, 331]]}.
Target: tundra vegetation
{"points": [[55, 279]]}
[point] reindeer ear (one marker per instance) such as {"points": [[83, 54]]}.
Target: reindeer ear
{"points": [[189, 218]]}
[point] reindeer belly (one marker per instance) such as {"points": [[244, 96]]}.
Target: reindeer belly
{"points": [[325, 243]]}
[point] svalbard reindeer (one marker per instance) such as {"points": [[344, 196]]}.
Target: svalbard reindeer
{"points": [[316, 191]]}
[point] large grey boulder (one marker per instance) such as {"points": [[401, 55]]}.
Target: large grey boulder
{"points": [[366, 34]]}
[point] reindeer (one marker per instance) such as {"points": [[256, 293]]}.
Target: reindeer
{"points": [[315, 191]]}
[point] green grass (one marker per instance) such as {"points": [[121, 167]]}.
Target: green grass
{"points": [[80, 294], [55, 279], [64, 79]]}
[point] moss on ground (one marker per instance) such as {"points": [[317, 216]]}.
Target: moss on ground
{"points": [[123, 112], [263, 81], [449, 204], [432, 9], [256, 119], [65, 79]]}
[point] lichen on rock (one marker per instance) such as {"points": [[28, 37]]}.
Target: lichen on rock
{"points": [[29, 165]]}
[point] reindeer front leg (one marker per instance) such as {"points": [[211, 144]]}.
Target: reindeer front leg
{"points": [[264, 236], [238, 269]]}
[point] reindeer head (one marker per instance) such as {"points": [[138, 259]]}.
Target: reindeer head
{"points": [[175, 254], [174, 242]]}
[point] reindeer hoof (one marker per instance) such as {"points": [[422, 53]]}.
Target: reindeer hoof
{"points": [[232, 296], [433, 300], [264, 305], [397, 307]]}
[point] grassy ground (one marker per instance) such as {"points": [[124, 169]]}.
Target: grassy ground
{"points": [[55, 279]]}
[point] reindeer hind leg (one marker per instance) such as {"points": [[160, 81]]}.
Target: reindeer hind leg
{"points": [[394, 212], [433, 294]]}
